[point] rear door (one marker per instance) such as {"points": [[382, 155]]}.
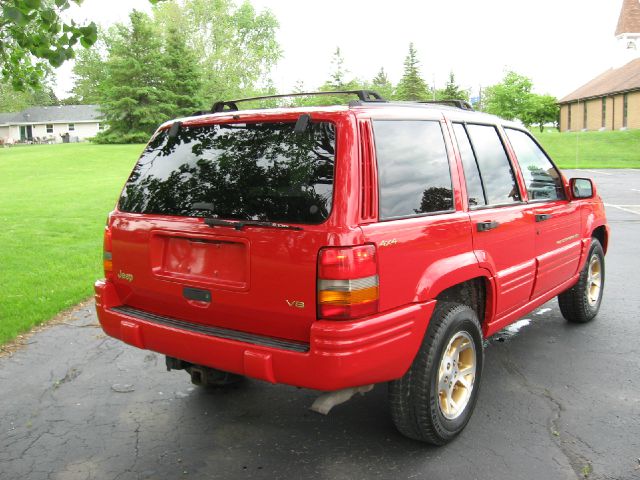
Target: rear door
{"points": [[418, 226], [557, 220], [182, 241], [503, 231]]}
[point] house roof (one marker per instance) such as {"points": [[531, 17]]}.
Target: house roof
{"points": [[629, 21], [614, 80], [61, 114]]}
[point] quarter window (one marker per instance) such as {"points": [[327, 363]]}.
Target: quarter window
{"points": [[413, 168], [500, 185], [540, 176], [472, 178]]}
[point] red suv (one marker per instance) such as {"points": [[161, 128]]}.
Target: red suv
{"points": [[344, 246]]}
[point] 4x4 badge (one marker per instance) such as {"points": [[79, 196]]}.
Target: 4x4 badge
{"points": [[387, 243]]}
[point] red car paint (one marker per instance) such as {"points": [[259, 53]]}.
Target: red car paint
{"points": [[264, 282]]}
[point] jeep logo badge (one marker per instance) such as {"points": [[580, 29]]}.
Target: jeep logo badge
{"points": [[125, 276]]}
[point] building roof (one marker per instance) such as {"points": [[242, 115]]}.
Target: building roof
{"points": [[629, 21], [61, 114], [614, 80]]}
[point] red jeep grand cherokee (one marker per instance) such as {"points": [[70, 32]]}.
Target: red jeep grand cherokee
{"points": [[344, 246]]}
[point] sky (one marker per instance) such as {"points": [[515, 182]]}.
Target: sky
{"points": [[559, 44]]}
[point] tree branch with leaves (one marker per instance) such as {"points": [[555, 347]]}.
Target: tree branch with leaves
{"points": [[33, 38]]}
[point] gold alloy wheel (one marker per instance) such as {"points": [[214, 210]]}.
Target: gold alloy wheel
{"points": [[594, 280], [456, 375]]}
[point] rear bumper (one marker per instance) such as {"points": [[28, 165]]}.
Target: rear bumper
{"points": [[340, 354]]}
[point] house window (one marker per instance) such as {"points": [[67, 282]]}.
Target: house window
{"points": [[625, 109], [101, 126], [604, 111], [584, 115], [49, 128], [72, 127], [568, 116]]}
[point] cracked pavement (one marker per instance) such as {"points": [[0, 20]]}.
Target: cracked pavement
{"points": [[557, 401]]}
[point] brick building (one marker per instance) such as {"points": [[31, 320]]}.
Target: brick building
{"points": [[611, 101]]}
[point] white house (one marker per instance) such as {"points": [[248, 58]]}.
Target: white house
{"points": [[50, 124]]}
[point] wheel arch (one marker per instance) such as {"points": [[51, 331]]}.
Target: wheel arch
{"points": [[476, 292], [602, 234]]}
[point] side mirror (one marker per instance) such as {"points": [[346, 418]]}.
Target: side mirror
{"points": [[581, 188]]}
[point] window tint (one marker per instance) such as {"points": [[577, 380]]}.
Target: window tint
{"points": [[540, 176], [471, 173], [259, 171], [499, 181], [413, 168]]}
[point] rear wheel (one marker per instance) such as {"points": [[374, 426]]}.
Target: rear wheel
{"points": [[580, 304], [434, 400]]}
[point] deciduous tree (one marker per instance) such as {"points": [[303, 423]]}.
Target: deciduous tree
{"points": [[509, 99], [236, 46], [14, 101], [89, 72], [541, 109]]}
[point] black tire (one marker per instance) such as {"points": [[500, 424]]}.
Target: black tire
{"points": [[414, 399], [576, 304]]}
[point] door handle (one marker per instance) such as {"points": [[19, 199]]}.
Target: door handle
{"points": [[541, 217], [489, 225]]}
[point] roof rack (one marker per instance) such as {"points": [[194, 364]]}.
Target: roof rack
{"points": [[464, 105], [232, 105]]}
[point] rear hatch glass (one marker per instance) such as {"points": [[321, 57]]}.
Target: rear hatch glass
{"points": [[244, 171]]}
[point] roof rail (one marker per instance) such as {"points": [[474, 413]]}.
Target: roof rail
{"points": [[232, 105], [464, 105]]}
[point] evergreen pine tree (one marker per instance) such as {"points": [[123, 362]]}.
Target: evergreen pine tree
{"points": [[134, 95], [183, 79], [452, 91], [382, 84], [411, 85], [337, 81], [337, 77]]}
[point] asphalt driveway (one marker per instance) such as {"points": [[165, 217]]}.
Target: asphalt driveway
{"points": [[557, 401]]}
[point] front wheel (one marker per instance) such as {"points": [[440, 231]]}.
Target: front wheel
{"points": [[580, 304], [434, 400]]}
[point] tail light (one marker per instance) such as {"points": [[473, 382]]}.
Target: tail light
{"points": [[106, 254], [347, 282]]}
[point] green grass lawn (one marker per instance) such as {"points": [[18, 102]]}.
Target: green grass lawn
{"points": [[610, 149], [54, 200]]}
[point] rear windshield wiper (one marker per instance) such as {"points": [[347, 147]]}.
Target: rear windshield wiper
{"points": [[239, 225]]}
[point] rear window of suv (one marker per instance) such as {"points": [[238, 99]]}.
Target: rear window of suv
{"points": [[253, 171]]}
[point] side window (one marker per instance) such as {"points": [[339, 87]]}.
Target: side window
{"points": [[471, 172], [540, 176], [413, 168], [499, 182]]}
